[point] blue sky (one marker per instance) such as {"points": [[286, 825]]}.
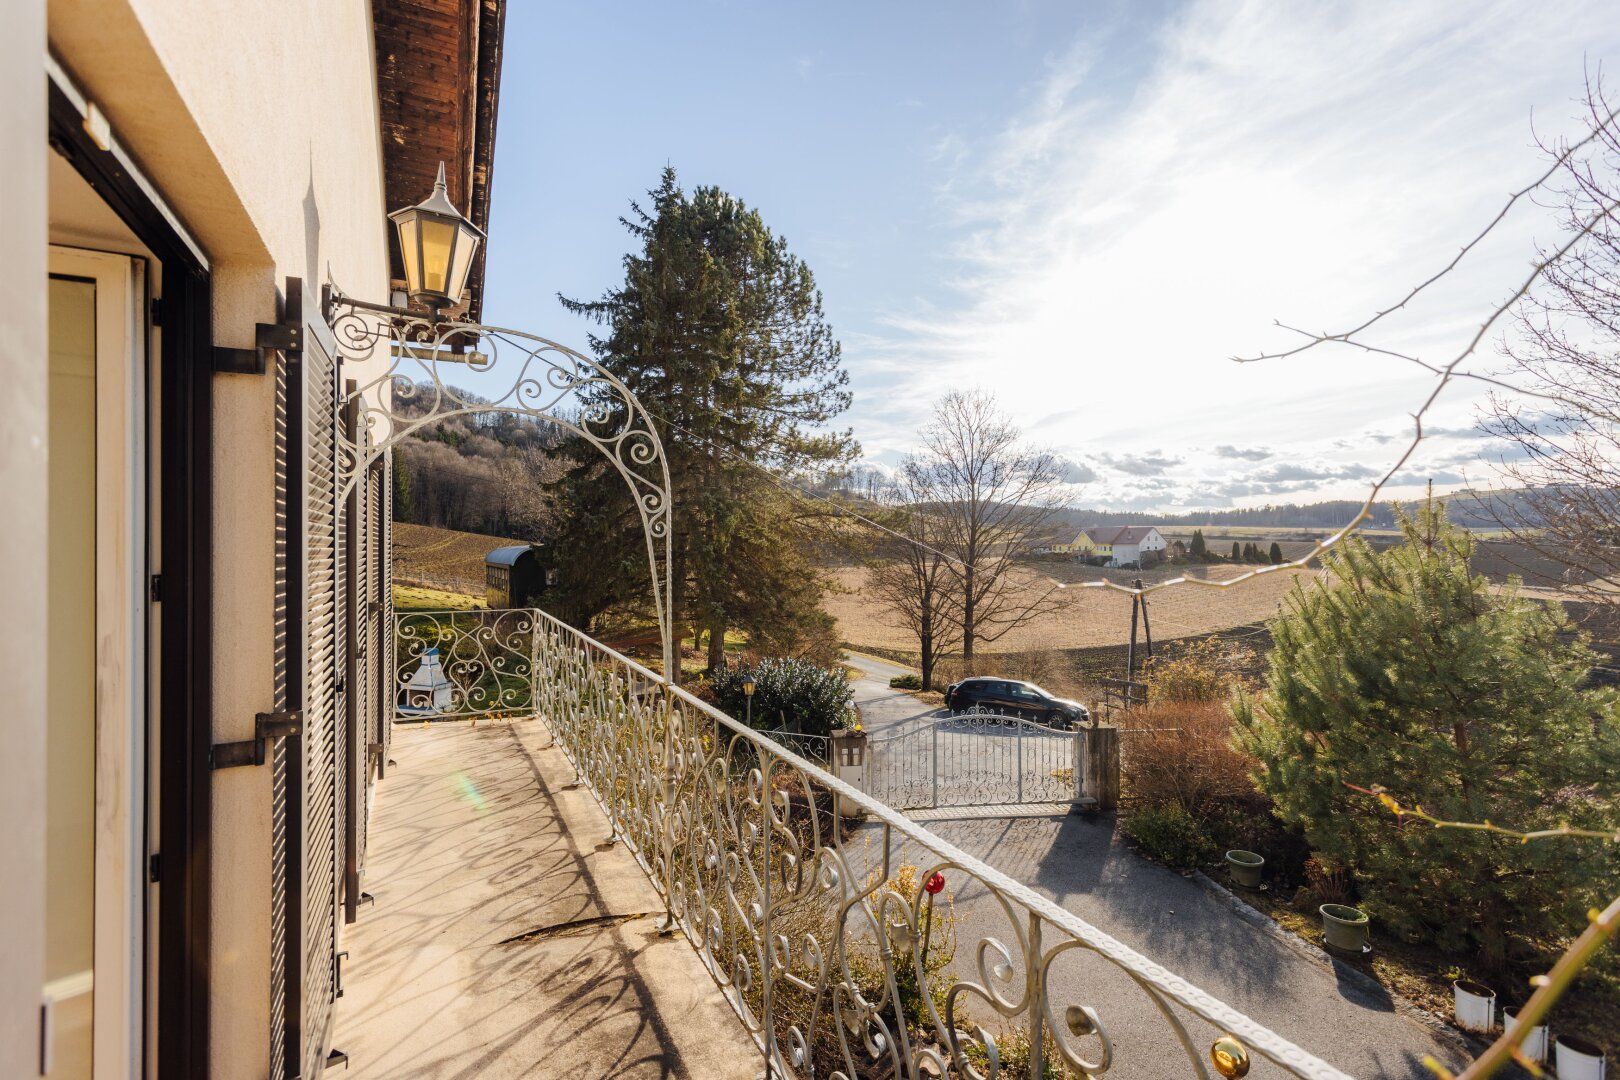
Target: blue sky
{"points": [[1084, 207]]}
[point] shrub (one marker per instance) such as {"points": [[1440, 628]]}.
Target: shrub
{"points": [[1406, 671], [788, 692], [1206, 670], [1168, 833], [1181, 753], [906, 682]]}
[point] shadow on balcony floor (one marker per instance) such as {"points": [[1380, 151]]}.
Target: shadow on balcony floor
{"points": [[507, 939]]}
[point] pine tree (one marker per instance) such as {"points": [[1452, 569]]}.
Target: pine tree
{"points": [[1198, 550], [1406, 672], [1276, 553], [718, 329]]}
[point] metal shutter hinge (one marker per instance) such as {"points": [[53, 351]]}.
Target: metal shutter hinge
{"points": [[337, 1057], [267, 727], [286, 337]]}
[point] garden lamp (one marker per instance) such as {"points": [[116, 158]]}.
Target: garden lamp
{"points": [[748, 696]]}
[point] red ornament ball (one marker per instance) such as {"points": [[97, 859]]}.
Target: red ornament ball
{"points": [[934, 884]]}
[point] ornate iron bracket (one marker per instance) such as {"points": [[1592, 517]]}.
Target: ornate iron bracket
{"points": [[267, 727]]}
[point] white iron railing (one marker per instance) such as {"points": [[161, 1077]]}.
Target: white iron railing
{"points": [[830, 948]]}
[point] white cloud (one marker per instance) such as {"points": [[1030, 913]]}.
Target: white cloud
{"points": [[1273, 161]]}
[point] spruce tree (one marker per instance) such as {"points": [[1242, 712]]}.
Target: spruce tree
{"points": [[1236, 556], [1198, 550], [1276, 553], [1406, 672], [718, 329]]}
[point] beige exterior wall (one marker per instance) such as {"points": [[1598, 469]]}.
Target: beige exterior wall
{"points": [[22, 542], [257, 122]]}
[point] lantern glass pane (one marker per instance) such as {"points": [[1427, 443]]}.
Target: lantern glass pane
{"points": [[438, 246], [465, 249], [411, 252]]}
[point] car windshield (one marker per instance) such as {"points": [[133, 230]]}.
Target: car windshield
{"points": [[1038, 690]]}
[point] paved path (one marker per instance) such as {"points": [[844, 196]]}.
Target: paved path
{"points": [[881, 707], [1080, 864], [507, 940]]}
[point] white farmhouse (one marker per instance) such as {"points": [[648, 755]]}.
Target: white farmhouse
{"points": [[1134, 541]]}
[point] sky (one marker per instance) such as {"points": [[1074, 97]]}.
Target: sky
{"points": [[1084, 208]]}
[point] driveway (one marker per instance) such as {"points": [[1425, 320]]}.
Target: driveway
{"points": [[882, 707], [1081, 865]]}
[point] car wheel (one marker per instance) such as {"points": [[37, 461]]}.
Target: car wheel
{"points": [[1056, 719]]}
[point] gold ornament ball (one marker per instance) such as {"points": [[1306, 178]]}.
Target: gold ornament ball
{"points": [[1230, 1059]]}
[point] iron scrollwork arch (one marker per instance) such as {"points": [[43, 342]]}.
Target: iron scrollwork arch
{"points": [[402, 390]]}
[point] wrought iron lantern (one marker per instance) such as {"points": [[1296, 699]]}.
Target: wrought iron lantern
{"points": [[437, 245]]}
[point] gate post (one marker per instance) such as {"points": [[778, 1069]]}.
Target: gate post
{"points": [[846, 750], [1097, 769]]}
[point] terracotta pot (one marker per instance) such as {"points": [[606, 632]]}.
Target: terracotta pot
{"points": [[1245, 867], [1345, 927], [1474, 1005]]}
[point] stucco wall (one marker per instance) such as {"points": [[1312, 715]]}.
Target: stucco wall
{"points": [[257, 122], [22, 542]]}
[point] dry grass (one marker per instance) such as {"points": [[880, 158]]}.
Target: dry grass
{"points": [[443, 558], [1086, 617]]}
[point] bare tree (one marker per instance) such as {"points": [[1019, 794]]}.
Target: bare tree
{"points": [[912, 577], [995, 498], [1564, 452]]}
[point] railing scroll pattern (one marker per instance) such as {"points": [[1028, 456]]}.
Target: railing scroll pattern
{"points": [[794, 906]]}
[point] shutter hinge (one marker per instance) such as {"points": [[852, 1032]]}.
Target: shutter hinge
{"points": [[152, 867], [157, 311], [340, 957], [286, 337], [267, 727], [156, 588], [337, 1057]]}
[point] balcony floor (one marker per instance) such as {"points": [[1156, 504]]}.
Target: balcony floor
{"points": [[506, 939]]}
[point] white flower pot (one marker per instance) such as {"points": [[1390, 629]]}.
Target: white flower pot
{"points": [[1475, 1005], [1578, 1059], [1534, 1045]]}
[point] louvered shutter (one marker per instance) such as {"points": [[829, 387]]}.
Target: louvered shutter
{"points": [[285, 692], [323, 736], [355, 719], [385, 623]]}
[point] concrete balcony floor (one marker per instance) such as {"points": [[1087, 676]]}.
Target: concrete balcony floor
{"points": [[507, 939]]}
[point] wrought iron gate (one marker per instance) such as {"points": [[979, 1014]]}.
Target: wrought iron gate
{"points": [[973, 759]]}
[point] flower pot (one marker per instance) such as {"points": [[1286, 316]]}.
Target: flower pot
{"points": [[1344, 927], [1245, 868], [1474, 1005], [1534, 1045], [1578, 1059]]}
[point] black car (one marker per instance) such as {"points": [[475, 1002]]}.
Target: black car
{"points": [[1013, 698]]}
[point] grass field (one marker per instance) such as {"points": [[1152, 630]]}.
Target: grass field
{"points": [[417, 598], [443, 558], [1085, 617]]}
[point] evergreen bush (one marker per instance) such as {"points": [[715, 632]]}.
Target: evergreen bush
{"points": [[1403, 670], [788, 692]]}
